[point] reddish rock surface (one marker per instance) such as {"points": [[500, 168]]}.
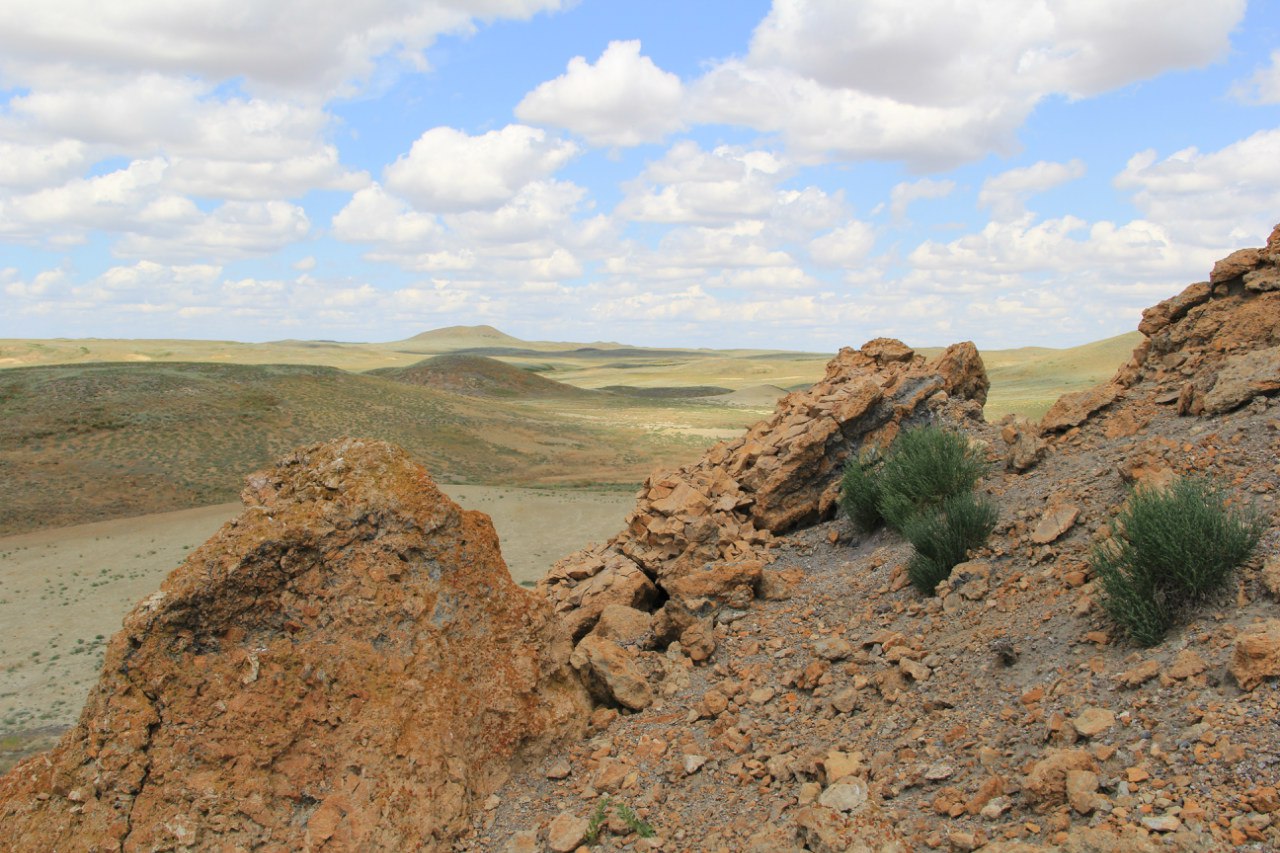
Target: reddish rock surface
{"points": [[347, 665]]}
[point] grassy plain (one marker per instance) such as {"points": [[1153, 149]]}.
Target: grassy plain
{"points": [[98, 429]]}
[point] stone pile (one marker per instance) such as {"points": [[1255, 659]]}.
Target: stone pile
{"points": [[345, 666]]}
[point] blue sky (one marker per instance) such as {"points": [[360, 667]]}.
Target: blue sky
{"points": [[800, 174]]}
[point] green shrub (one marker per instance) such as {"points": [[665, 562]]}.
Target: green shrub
{"points": [[926, 466], [943, 536], [860, 493], [924, 490], [1171, 550]]}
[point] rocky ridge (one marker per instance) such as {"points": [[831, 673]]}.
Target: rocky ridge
{"points": [[823, 705], [309, 679], [700, 537]]}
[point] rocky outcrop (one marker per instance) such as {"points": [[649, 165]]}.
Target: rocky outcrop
{"points": [[347, 665], [1216, 345], [698, 537]]}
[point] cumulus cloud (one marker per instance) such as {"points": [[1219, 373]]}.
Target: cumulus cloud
{"points": [[324, 51], [374, 216], [449, 170], [1210, 200], [1006, 193], [692, 185], [1263, 87], [623, 99], [941, 82], [28, 166], [845, 246], [904, 194], [236, 229]]}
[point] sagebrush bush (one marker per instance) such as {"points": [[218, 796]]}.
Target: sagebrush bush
{"points": [[926, 466], [1170, 550], [860, 493], [944, 535], [923, 489]]}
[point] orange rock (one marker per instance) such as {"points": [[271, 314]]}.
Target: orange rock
{"points": [[405, 624], [1256, 656], [1046, 784]]}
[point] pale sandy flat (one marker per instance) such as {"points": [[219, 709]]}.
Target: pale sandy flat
{"points": [[64, 592]]}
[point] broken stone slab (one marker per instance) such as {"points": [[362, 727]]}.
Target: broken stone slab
{"points": [[1071, 410], [1054, 523]]}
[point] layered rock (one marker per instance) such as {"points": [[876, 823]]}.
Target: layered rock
{"points": [[1216, 345], [698, 536], [346, 665]]}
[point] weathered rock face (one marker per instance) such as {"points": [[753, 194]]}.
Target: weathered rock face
{"points": [[1216, 345], [697, 535], [347, 665]]}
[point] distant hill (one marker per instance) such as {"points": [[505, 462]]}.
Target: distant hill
{"points": [[477, 376], [455, 337]]}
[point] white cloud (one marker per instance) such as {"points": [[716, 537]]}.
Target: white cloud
{"points": [[845, 246], [942, 52], [623, 99], [941, 82], [236, 229], [692, 185], [1263, 87], [325, 49], [152, 222], [29, 166], [1006, 193], [1214, 200], [448, 170], [539, 208], [1025, 246], [902, 195], [373, 216]]}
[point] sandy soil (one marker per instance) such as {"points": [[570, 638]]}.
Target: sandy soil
{"points": [[64, 592]]}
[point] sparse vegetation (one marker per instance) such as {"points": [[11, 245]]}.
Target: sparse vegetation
{"points": [[943, 536], [860, 492], [924, 490], [600, 817], [1171, 550], [926, 466]]}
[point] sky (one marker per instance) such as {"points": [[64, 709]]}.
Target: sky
{"points": [[801, 174]]}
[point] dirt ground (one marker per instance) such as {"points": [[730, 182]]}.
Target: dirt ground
{"points": [[63, 592]]}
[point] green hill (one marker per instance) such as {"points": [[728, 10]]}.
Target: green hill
{"points": [[478, 376]]}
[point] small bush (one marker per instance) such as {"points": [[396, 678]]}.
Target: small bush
{"points": [[927, 466], [860, 494], [1172, 549], [942, 537]]}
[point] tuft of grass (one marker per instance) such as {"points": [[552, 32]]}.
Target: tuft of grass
{"points": [[1171, 550], [634, 822], [942, 537], [597, 820], [599, 817]]}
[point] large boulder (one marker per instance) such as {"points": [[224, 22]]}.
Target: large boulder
{"points": [[346, 665]]}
